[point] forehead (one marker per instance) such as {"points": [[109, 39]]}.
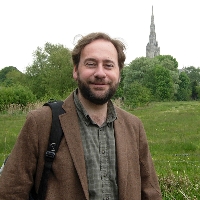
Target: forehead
{"points": [[100, 49]]}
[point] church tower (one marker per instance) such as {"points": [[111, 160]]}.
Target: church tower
{"points": [[152, 48]]}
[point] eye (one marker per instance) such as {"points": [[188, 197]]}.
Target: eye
{"points": [[90, 64], [109, 65]]}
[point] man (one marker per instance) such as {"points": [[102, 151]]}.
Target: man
{"points": [[104, 153]]}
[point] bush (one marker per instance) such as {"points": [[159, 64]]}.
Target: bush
{"points": [[18, 95], [136, 95]]}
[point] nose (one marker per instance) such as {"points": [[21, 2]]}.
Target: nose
{"points": [[100, 72]]}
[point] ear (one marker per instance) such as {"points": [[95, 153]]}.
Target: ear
{"points": [[75, 72]]}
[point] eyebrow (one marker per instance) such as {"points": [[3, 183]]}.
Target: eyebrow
{"points": [[95, 60], [107, 60], [90, 59]]}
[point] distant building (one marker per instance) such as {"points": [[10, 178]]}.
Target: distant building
{"points": [[152, 48]]}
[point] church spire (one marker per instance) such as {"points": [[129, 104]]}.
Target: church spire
{"points": [[152, 17], [152, 48]]}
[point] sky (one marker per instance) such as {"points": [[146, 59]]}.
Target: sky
{"points": [[28, 24]]}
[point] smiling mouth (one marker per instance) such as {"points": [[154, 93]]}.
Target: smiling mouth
{"points": [[99, 83], [99, 86]]}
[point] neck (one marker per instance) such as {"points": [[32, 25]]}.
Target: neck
{"points": [[97, 113]]}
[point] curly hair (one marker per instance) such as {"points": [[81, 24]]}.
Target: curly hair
{"points": [[85, 40]]}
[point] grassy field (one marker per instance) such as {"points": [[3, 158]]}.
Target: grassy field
{"points": [[173, 133]]}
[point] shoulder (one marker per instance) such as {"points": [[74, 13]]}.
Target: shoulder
{"points": [[130, 126], [40, 115], [44, 113], [128, 117]]}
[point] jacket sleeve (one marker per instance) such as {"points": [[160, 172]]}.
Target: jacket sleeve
{"points": [[149, 182], [17, 177]]}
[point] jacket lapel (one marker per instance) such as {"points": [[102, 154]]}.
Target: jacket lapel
{"points": [[121, 148], [70, 125]]}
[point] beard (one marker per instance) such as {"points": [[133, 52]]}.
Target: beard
{"points": [[94, 98]]}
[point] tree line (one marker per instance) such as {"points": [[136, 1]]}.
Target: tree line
{"points": [[159, 79], [143, 80]]}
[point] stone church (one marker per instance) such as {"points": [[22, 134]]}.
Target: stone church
{"points": [[152, 48]]}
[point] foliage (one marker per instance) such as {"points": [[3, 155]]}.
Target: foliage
{"points": [[197, 89], [120, 89], [4, 72], [194, 76], [194, 86], [51, 71], [15, 95], [14, 77], [184, 92], [175, 79], [159, 75], [168, 62], [163, 85], [193, 73], [136, 95], [10, 76], [139, 69]]}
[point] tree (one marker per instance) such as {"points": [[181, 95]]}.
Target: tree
{"points": [[15, 77], [184, 92], [194, 76], [194, 86], [159, 75], [162, 84], [193, 73], [51, 72], [139, 69], [198, 91], [136, 94], [168, 62], [5, 71], [120, 90]]}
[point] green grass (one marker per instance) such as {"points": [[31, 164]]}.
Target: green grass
{"points": [[173, 132], [10, 126]]}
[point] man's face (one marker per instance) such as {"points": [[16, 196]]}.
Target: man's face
{"points": [[98, 71]]}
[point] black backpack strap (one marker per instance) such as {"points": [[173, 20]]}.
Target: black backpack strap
{"points": [[54, 142]]}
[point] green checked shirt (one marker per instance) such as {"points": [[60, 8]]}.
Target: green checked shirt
{"points": [[100, 153]]}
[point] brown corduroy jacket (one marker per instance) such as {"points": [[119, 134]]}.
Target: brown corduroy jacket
{"points": [[68, 181]]}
